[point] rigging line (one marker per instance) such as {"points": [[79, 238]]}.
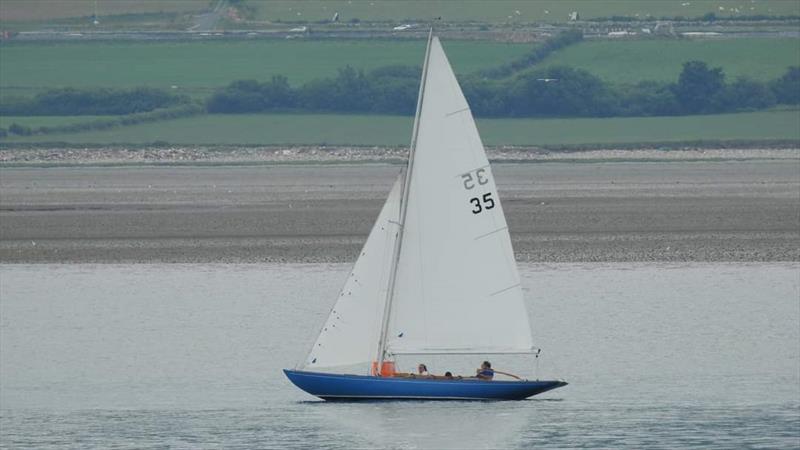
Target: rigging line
{"points": [[403, 210], [387, 250], [456, 112], [465, 352], [491, 233], [503, 290]]}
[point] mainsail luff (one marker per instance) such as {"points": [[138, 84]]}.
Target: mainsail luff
{"points": [[387, 310]]}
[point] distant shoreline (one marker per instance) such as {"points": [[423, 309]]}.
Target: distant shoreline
{"points": [[188, 156]]}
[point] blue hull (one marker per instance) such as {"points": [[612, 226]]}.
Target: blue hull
{"points": [[361, 387]]}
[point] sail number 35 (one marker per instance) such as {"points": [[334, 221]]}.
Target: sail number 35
{"points": [[478, 206], [478, 178]]}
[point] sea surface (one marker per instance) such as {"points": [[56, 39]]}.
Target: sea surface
{"points": [[190, 356]]}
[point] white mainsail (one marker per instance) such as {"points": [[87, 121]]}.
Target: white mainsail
{"points": [[350, 335], [457, 288]]}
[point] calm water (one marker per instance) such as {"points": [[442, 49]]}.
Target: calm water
{"points": [[187, 356]]}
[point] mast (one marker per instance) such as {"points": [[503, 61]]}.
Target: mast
{"points": [[387, 310]]}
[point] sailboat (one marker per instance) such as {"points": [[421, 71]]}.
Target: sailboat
{"points": [[437, 274]]}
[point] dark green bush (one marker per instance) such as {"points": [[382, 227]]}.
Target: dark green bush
{"points": [[95, 102], [787, 88], [20, 130]]}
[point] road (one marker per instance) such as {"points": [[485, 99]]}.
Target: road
{"points": [[208, 21]]}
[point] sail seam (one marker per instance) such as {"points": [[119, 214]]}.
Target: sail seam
{"points": [[503, 290], [456, 112], [491, 233]]}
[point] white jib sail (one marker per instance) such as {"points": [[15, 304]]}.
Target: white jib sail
{"points": [[350, 335], [457, 288]]}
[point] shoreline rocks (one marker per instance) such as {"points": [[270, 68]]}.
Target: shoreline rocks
{"points": [[322, 154]]}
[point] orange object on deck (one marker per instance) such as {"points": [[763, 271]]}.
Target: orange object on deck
{"points": [[387, 369]]}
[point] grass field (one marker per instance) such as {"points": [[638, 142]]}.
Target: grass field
{"points": [[632, 61], [392, 130], [512, 10], [198, 68], [203, 66]]}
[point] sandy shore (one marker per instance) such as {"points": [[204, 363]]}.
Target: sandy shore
{"points": [[57, 156], [701, 210]]}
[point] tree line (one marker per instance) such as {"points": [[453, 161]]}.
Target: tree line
{"points": [[91, 102], [555, 91], [185, 110], [512, 90]]}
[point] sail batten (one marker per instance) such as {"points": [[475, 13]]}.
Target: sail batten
{"points": [[491, 233]]}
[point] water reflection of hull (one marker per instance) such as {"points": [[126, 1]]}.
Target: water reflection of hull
{"points": [[360, 387]]}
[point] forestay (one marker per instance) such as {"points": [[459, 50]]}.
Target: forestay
{"points": [[350, 335], [457, 287]]}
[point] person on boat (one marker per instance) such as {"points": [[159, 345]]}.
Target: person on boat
{"points": [[485, 372], [422, 371], [447, 376]]}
